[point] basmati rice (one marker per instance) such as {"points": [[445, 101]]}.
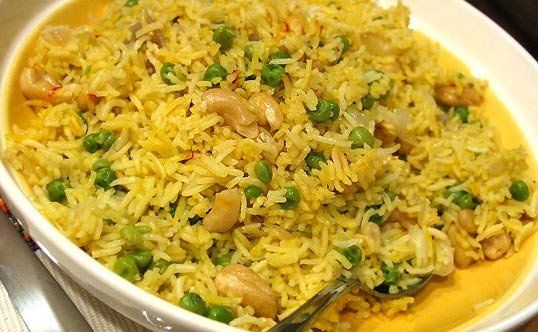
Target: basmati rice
{"points": [[170, 151]]}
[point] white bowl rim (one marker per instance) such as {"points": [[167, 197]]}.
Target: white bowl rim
{"points": [[521, 54], [52, 241]]}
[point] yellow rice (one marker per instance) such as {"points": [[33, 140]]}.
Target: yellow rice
{"points": [[169, 149]]}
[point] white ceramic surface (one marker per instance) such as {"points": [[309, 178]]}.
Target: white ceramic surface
{"points": [[493, 54]]}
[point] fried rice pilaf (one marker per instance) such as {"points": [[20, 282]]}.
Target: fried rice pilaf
{"points": [[234, 157]]}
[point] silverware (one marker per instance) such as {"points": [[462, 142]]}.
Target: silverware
{"points": [[38, 298], [306, 315]]}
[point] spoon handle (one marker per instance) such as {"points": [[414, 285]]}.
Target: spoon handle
{"points": [[304, 317]]}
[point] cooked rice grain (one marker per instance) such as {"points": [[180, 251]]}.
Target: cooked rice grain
{"points": [[170, 151]]}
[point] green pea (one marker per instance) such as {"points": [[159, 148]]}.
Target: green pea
{"points": [[224, 260], [167, 70], [466, 201], [126, 268], [332, 105], [359, 137], [353, 254], [325, 110], [519, 190], [392, 195], [131, 234], [263, 171], [391, 275], [455, 194], [56, 190], [213, 71], [319, 115], [142, 258], [101, 163], [463, 113], [272, 74], [161, 265], [313, 160], [100, 140], [293, 198], [131, 3], [375, 218], [194, 303], [194, 220], [224, 35], [110, 222], [172, 207], [253, 191], [345, 42], [104, 177], [90, 143], [367, 101], [106, 139], [87, 70], [220, 314], [249, 49], [279, 55]]}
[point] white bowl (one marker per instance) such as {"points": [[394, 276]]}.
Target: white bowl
{"points": [[480, 43]]}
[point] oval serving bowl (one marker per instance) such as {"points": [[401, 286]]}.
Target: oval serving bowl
{"points": [[485, 48]]}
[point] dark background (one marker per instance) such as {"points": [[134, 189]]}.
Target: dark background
{"points": [[517, 17]]}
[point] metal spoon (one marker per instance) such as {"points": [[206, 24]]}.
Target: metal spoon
{"points": [[305, 316]]}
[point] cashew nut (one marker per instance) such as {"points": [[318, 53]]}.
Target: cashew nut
{"points": [[157, 38], [393, 67], [134, 29], [386, 132], [270, 111], [234, 109], [460, 258], [87, 101], [225, 212], [295, 25], [405, 219], [377, 44], [36, 84], [352, 188], [498, 167], [238, 280], [496, 246], [466, 221], [270, 147], [405, 146], [447, 94], [59, 35]]}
